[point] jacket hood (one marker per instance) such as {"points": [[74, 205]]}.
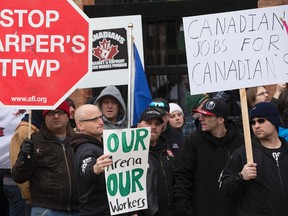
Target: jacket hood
{"points": [[112, 91], [79, 139], [230, 134]]}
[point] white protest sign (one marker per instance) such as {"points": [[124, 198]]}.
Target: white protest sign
{"points": [[110, 51], [126, 177], [237, 49]]}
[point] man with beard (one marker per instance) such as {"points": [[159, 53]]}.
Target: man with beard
{"points": [[47, 161], [160, 177]]}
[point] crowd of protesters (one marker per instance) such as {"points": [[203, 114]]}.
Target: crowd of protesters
{"points": [[197, 161]]}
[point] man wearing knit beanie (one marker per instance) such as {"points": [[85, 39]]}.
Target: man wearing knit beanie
{"points": [[260, 185], [47, 162], [193, 102]]}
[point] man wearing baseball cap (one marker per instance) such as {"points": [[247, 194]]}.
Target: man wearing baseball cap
{"points": [[201, 160], [174, 137], [160, 177], [261, 186], [47, 162]]}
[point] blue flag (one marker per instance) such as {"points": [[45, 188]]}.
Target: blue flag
{"points": [[142, 95]]}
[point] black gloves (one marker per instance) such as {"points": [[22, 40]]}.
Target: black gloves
{"points": [[27, 149]]}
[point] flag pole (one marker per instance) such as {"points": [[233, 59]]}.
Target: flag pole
{"points": [[130, 55]]}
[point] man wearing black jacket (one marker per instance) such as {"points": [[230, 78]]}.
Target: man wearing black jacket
{"points": [[201, 160], [160, 176], [90, 162], [47, 161], [262, 186]]}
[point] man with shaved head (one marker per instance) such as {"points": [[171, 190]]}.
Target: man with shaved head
{"points": [[90, 161]]}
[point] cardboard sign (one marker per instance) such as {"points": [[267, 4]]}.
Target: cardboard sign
{"points": [[126, 177], [237, 49]]}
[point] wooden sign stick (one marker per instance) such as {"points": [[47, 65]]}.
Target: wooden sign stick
{"points": [[246, 125]]}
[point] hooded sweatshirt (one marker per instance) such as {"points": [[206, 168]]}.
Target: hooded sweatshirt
{"points": [[112, 91], [91, 187]]}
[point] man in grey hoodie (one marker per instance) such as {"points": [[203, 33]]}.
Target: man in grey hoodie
{"points": [[113, 108]]}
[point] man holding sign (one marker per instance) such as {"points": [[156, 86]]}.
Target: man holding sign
{"points": [[262, 186], [90, 161]]}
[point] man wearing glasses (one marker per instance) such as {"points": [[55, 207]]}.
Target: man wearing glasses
{"points": [[201, 160], [262, 186], [47, 161], [90, 162]]}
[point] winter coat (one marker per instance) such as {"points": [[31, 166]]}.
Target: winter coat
{"points": [[50, 172], [160, 179], [91, 187], [199, 164]]}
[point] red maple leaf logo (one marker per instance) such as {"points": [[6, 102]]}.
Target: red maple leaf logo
{"points": [[105, 51]]}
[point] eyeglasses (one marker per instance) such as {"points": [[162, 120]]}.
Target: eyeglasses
{"points": [[92, 119], [53, 112], [159, 104], [259, 121]]}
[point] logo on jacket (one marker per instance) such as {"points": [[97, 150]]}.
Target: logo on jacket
{"points": [[170, 153], [85, 163]]}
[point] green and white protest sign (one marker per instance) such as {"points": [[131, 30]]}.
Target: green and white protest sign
{"points": [[126, 177]]}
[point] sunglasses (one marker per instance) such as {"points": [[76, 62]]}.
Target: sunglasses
{"points": [[159, 104], [259, 121]]}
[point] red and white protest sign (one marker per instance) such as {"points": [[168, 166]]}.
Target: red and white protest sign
{"points": [[44, 51]]}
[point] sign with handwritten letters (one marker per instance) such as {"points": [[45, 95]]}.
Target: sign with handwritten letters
{"points": [[237, 49], [126, 177]]}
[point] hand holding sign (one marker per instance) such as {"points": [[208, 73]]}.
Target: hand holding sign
{"points": [[102, 162]]}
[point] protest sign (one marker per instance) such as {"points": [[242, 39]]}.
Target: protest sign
{"points": [[126, 177], [237, 49], [110, 50], [44, 51]]}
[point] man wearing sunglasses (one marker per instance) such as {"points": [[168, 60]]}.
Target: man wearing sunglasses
{"points": [[47, 161], [262, 186], [201, 160], [174, 137]]}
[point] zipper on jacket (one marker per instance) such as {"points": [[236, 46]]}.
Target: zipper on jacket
{"points": [[166, 182], [69, 176], [165, 176], [278, 168]]}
